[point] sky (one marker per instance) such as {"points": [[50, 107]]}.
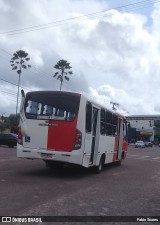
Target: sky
{"points": [[112, 46]]}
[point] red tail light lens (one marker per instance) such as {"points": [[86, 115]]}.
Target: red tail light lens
{"points": [[77, 140], [20, 136]]}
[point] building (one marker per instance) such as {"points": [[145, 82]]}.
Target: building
{"points": [[144, 127]]}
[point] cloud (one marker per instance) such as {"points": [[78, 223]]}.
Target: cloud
{"points": [[114, 57]]}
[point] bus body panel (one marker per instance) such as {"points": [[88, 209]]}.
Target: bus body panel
{"points": [[114, 158], [61, 135], [120, 139], [35, 134], [80, 121], [125, 147], [107, 146], [57, 136]]}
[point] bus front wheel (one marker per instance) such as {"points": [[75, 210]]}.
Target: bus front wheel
{"points": [[119, 163]]}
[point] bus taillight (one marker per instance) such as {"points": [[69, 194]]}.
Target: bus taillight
{"points": [[20, 136], [77, 140]]}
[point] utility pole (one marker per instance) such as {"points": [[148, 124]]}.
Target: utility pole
{"points": [[114, 104]]}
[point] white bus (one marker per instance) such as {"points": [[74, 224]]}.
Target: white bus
{"points": [[64, 127]]}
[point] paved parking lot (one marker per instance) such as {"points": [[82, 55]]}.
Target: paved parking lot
{"points": [[29, 188]]}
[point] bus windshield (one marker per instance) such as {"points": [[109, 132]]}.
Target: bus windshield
{"points": [[51, 105]]}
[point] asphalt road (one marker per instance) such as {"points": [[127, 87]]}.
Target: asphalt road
{"points": [[28, 188]]}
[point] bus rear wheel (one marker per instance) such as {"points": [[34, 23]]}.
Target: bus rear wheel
{"points": [[99, 168]]}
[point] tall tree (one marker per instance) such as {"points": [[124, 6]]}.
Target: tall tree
{"points": [[18, 62], [2, 123], [63, 68], [13, 120]]}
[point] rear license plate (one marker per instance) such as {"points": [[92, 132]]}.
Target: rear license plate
{"points": [[45, 155]]}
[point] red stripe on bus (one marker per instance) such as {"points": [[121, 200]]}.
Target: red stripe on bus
{"points": [[61, 135], [115, 149]]}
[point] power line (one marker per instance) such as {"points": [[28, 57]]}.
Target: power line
{"points": [[48, 77], [12, 55], [44, 75], [7, 91], [11, 99], [133, 6], [8, 94], [5, 51], [13, 83], [29, 69], [121, 8]]}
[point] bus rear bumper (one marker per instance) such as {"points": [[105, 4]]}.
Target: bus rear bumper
{"points": [[74, 157]]}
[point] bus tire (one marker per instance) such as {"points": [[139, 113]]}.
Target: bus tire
{"points": [[119, 163], [10, 146], [99, 168]]}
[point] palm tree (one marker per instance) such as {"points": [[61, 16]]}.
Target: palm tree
{"points": [[62, 66], [19, 62]]}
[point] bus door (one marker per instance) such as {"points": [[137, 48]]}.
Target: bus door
{"points": [[92, 134], [94, 147], [120, 138]]}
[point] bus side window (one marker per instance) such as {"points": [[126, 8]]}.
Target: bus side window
{"points": [[115, 124], [125, 129], [115, 120], [88, 117], [103, 125], [109, 123], [114, 130]]}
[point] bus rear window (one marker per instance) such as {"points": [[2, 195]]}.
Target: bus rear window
{"points": [[52, 105]]}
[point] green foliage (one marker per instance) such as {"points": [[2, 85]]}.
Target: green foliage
{"points": [[4, 123], [10, 123], [14, 122], [62, 66], [20, 58]]}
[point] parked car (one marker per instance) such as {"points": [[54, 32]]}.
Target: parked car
{"points": [[140, 144], [148, 144], [8, 139]]}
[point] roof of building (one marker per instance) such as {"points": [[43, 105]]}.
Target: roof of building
{"points": [[143, 117]]}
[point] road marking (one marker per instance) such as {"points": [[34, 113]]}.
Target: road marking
{"points": [[145, 156], [156, 158], [4, 160]]}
